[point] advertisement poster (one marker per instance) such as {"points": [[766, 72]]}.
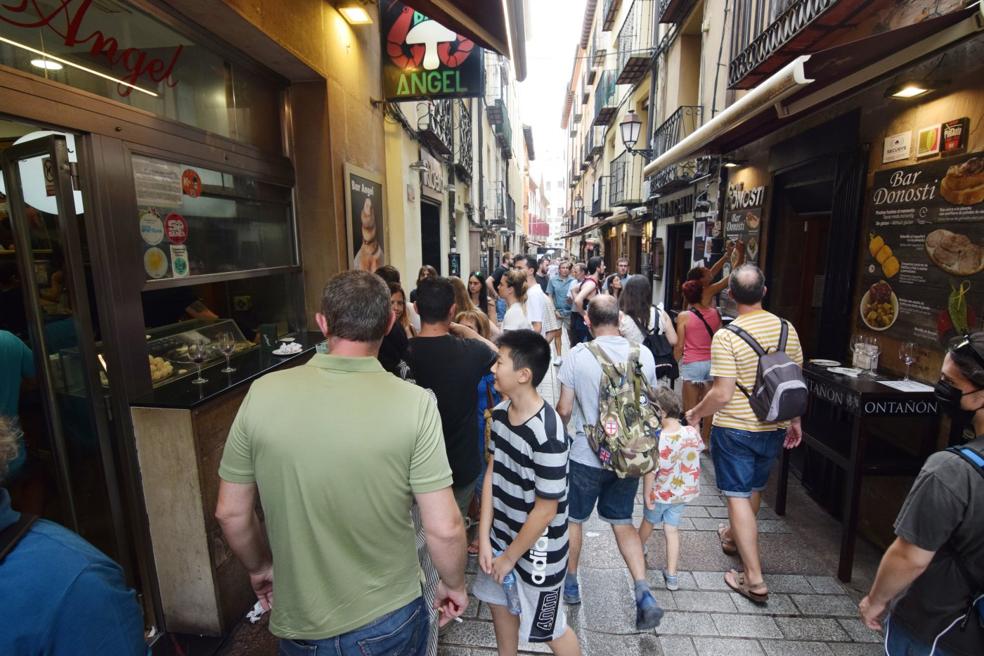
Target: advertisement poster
{"points": [[922, 275], [743, 219], [158, 183], [424, 60], [364, 207]]}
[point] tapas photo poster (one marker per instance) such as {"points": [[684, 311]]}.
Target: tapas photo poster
{"points": [[921, 275], [364, 208]]}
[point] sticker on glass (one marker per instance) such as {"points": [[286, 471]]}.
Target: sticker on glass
{"points": [[179, 261], [176, 228], [191, 183], [155, 262], [151, 227]]}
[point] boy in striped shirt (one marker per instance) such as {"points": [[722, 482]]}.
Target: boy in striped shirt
{"points": [[523, 527]]}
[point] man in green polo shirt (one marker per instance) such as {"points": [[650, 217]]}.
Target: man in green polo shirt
{"points": [[339, 449]]}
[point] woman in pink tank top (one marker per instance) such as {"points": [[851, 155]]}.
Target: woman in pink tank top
{"points": [[695, 330]]}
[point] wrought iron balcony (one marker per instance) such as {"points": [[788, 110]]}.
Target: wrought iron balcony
{"points": [[495, 203], [434, 125], [594, 143], [495, 87], [463, 158], [510, 212], [503, 135], [761, 29], [586, 81], [599, 198], [674, 11], [625, 181], [609, 13], [605, 103], [679, 125], [635, 43], [596, 59]]}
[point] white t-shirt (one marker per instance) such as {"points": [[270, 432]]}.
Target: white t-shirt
{"points": [[536, 305], [630, 331], [515, 319]]}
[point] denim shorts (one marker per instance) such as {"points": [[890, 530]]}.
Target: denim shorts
{"points": [[696, 372], [402, 632], [667, 514], [614, 496], [743, 459]]}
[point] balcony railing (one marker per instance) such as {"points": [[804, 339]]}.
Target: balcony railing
{"points": [[609, 12], [674, 11], [594, 143], [503, 135], [761, 28], [495, 88], [495, 203], [605, 105], [586, 81], [510, 212], [596, 58], [599, 197], [463, 158], [635, 42], [434, 125], [679, 125], [625, 181]]}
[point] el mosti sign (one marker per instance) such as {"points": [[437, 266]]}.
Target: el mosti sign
{"points": [[422, 59]]}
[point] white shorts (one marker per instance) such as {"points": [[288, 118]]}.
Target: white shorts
{"points": [[550, 320], [542, 618]]}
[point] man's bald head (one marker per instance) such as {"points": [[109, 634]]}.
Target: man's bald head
{"points": [[603, 311], [747, 285]]}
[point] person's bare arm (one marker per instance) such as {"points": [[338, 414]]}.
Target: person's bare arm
{"points": [[565, 404], [587, 287], [720, 394], [444, 531], [681, 334], [236, 514], [902, 564], [485, 556], [668, 329], [536, 326], [544, 510]]}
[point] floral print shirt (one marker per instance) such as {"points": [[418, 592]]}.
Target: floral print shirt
{"points": [[678, 478]]}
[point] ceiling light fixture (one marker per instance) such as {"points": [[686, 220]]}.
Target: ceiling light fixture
{"points": [[908, 90], [354, 13], [46, 64]]}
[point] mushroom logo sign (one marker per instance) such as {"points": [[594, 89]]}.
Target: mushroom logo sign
{"points": [[425, 59]]}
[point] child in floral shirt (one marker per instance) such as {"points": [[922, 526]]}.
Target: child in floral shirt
{"points": [[676, 482]]}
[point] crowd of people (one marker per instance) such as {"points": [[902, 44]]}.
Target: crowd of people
{"points": [[360, 497]]}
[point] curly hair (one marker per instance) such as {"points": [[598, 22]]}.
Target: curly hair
{"points": [[9, 444]]}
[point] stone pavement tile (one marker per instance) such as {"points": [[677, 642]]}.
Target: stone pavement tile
{"points": [[686, 524], [746, 626], [788, 583], [827, 605], [773, 526], [607, 600], [706, 523], [719, 512], [445, 650], [708, 500], [700, 551], [686, 624], [767, 513], [711, 581], [789, 648], [789, 554], [604, 644], [857, 649], [677, 646], [704, 601], [812, 628], [664, 597], [779, 604], [727, 647], [859, 632], [825, 585], [470, 633], [657, 582], [694, 511]]}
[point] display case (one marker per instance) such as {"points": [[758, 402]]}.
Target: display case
{"points": [[167, 348]]}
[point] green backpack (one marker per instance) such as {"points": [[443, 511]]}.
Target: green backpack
{"points": [[626, 437]]}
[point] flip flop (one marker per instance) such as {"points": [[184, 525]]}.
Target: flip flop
{"points": [[746, 589], [473, 548], [728, 545]]}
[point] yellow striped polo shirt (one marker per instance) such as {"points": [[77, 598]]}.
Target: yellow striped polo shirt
{"points": [[731, 357]]}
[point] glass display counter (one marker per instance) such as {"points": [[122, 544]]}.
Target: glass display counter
{"points": [[168, 348]]}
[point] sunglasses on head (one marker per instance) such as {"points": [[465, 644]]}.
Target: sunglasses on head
{"points": [[966, 346]]}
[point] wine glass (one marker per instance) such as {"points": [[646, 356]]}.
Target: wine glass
{"points": [[198, 352], [226, 346], [907, 354]]}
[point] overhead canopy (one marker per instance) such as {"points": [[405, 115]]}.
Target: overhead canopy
{"points": [[494, 24], [814, 80]]}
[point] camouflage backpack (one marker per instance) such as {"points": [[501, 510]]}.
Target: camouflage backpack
{"points": [[626, 436]]}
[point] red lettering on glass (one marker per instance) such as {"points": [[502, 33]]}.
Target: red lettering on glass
{"points": [[134, 61]]}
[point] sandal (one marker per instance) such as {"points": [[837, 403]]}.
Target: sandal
{"points": [[747, 590], [473, 548], [728, 545]]}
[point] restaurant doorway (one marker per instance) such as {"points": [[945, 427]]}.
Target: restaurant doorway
{"points": [[679, 257], [430, 235], [66, 471]]}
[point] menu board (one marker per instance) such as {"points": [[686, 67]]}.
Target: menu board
{"points": [[743, 222], [923, 267]]}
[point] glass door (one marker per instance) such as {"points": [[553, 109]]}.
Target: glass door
{"points": [[69, 475]]}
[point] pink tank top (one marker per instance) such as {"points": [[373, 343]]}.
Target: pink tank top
{"points": [[697, 342]]}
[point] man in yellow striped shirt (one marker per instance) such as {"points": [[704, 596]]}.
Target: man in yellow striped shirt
{"points": [[744, 448]]}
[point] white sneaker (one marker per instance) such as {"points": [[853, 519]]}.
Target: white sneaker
{"points": [[557, 361]]}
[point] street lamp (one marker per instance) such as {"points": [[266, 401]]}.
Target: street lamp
{"points": [[578, 202], [630, 128]]}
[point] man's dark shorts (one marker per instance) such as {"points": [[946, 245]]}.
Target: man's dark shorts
{"points": [[743, 459], [588, 486]]}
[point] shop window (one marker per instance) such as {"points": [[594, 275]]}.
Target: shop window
{"points": [[195, 221], [113, 50]]}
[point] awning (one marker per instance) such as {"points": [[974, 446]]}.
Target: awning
{"points": [[494, 24], [818, 79]]}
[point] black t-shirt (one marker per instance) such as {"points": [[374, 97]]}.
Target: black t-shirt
{"points": [[393, 350], [944, 512], [451, 367], [543, 281]]}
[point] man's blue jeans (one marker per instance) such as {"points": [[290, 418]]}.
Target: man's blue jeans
{"points": [[400, 633]]}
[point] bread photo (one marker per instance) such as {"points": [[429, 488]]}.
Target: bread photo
{"points": [[963, 184]]}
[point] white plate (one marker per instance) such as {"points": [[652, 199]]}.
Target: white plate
{"points": [[820, 362], [895, 314], [846, 371]]}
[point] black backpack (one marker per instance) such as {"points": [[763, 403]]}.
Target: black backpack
{"points": [[662, 350], [780, 391]]}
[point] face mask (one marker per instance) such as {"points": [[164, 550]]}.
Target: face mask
{"points": [[949, 398]]}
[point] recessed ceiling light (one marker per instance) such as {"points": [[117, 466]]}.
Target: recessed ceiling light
{"points": [[47, 64], [908, 90], [355, 14]]}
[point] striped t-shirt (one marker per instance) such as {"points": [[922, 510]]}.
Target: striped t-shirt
{"points": [[530, 462], [732, 357]]}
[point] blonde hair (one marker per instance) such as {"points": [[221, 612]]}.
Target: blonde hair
{"points": [[462, 299], [516, 280], [479, 319], [9, 444]]}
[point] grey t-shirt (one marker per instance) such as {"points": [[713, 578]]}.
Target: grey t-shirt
{"points": [[582, 373], [944, 512]]}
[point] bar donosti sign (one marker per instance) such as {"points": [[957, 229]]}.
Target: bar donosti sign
{"points": [[422, 59]]}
